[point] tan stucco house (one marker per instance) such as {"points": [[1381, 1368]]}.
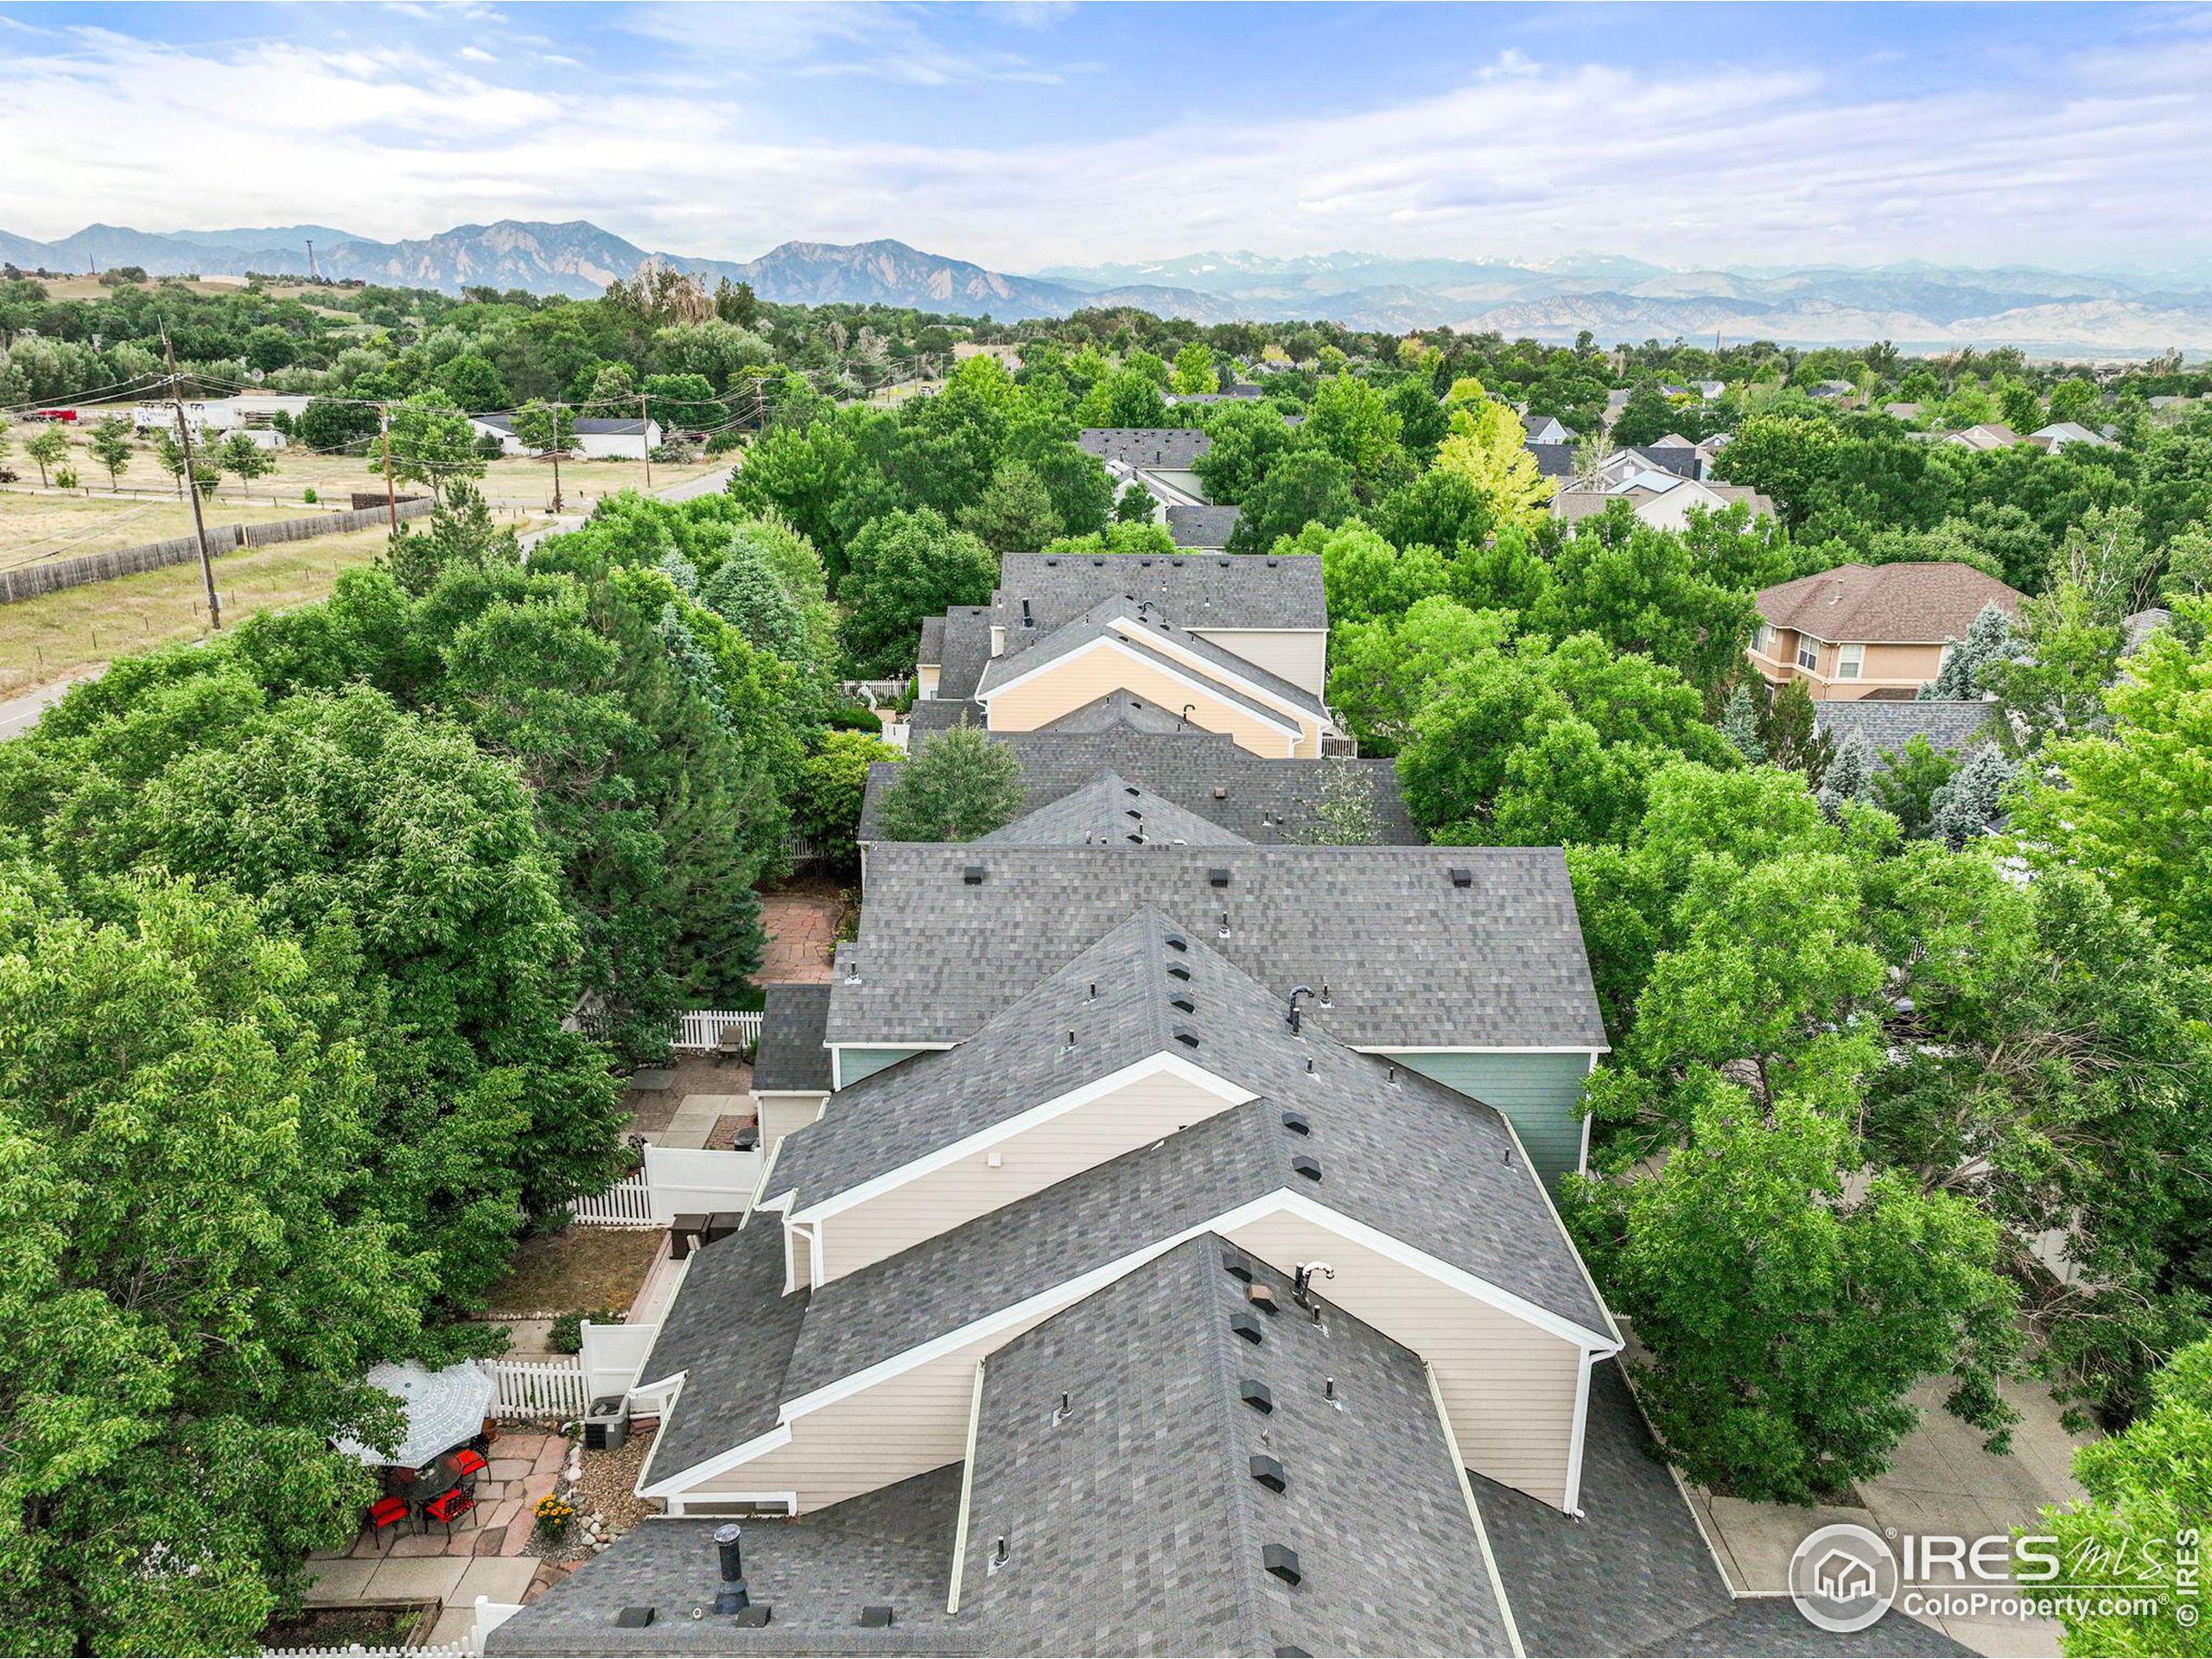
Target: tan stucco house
{"points": [[1870, 630]]}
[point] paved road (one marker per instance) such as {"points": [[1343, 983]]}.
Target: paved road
{"points": [[705, 484], [21, 714]]}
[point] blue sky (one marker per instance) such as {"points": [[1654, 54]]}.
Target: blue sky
{"points": [[1025, 136]]}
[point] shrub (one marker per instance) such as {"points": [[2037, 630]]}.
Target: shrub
{"points": [[566, 1336]]}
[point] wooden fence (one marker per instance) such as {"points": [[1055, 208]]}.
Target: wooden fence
{"points": [[529, 1390], [52, 576]]}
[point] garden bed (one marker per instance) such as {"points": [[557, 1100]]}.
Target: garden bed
{"points": [[387, 1624]]}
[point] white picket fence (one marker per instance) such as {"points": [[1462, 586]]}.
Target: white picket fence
{"points": [[703, 1028], [530, 1390], [628, 1203]]}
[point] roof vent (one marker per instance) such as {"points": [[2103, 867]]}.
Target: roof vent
{"points": [[1184, 1003], [1261, 1296], [1247, 1327], [1131, 789], [1282, 1561], [1268, 1472], [1179, 971], [877, 1618], [1256, 1395], [1296, 1123], [1186, 1036], [1235, 1266], [1461, 876], [1289, 1650], [1098, 564], [1217, 876], [973, 875], [755, 1617], [1220, 793], [633, 1618], [1051, 564], [1307, 1165], [1177, 942], [1272, 562], [1135, 836], [1133, 812]]}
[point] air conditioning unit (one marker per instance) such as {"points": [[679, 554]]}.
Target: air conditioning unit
{"points": [[607, 1424]]}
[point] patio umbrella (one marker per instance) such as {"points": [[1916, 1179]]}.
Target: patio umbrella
{"points": [[443, 1409]]}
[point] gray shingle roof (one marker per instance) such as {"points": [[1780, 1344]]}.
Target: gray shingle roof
{"points": [[891, 1547], [1414, 960], [1888, 724], [1108, 811], [1134, 1525], [1633, 1574], [1175, 446], [1201, 527], [1120, 617], [1407, 1155], [791, 1056], [1198, 590], [1114, 711], [932, 650], [1682, 461], [964, 648], [733, 1330], [1554, 460], [1265, 800], [942, 714]]}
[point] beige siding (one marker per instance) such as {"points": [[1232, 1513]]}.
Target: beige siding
{"points": [[1299, 655], [781, 1113], [1084, 678], [1139, 1112], [925, 682], [1508, 1386]]}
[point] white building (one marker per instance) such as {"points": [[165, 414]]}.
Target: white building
{"points": [[596, 439]]}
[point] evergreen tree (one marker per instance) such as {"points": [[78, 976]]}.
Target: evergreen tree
{"points": [[462, 534], [1964, 808], [1740, 724], [1989, 639], [1850, 775]]}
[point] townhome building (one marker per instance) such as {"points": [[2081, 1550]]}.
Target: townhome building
{"points": [[1878, 631]]}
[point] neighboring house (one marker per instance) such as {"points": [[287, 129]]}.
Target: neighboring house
{"points": [[1202, 530], [1662, 499], [1158, 457], [1484, 986], [1547, 428], [596, 439], [1709, 390], [1889, 723], [1255, 798], [1902, 412], [1235, 643], [1990, 435], [1831, 390], [1870, 630], [2064, 435], [790, 1068]]}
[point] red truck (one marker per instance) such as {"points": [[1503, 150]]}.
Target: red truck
{"points": [[68, 415]]}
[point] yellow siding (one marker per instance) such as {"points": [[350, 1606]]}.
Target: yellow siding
{"points": [[781, 1113], [1132, 1116], [1508, 1386], [925, 684], [1299, 655], [1074, 681]]}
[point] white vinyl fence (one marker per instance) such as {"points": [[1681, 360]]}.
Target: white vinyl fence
{"points": [[628, 1203], [703, 1028], [530, 1390]]}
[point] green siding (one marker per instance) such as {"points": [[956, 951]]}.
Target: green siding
{"points": [[1541, 1093], [854, 1064]]}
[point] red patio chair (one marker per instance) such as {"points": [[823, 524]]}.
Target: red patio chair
{"points": [[384, 1512], [467, 1464], [447, 1508]]}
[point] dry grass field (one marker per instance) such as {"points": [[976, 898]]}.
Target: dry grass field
{"points": [[34, 526]]}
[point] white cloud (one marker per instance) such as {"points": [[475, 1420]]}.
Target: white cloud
{"points": [[2087, 162]]}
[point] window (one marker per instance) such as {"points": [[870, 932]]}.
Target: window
{"points": [[1808, 651], [1848, 659], [1763, 641]]}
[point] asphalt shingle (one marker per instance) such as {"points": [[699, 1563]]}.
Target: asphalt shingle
{"points": [[1412, 959], [791, 1056], [1888, 724], [1106, 811], [1918, 602]]}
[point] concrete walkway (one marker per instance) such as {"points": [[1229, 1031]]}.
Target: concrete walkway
{"points": [[1940, 1481]]}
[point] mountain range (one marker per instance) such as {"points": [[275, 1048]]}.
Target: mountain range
{"points": [[1919, 307]]}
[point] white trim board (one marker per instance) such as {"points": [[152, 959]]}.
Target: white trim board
{"points": [[1042, 1304], [1158, 1064]]}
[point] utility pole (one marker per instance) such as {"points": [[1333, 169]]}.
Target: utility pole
{"points": [[192, 484], [312, 277], [557, 411], [646, 439], [391, 502]]}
